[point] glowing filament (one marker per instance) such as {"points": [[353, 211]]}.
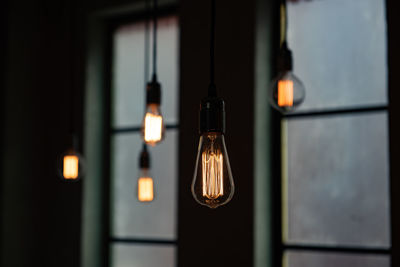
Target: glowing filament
{"points": [[212, 172], [145, 189], [285, 93], [70, 167], [152, 128]]}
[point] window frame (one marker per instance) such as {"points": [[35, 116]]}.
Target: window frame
{"points": [[113, 25], [279, 247]]}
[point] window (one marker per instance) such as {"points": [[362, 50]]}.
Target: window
{"points": [[334, 148], [143, 234]]}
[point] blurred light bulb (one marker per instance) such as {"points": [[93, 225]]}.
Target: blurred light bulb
{"points": [[145, 184], [145, 187], [153, 126], [212, 184], [70, 165], [287, 92]]}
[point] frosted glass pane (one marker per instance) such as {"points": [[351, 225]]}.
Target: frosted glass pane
{"points": [[128, 82], [340, 52], [143, 256], [310, 259], [131, 218], [336, 180]]}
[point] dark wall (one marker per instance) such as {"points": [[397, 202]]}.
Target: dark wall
{"points": [[224, 236], [394, 120], [40, 213]]}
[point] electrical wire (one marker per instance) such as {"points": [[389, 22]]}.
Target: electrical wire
{"points": [[72, 83], [212, 89], [283, 22], [155, 7], [146, 43]]}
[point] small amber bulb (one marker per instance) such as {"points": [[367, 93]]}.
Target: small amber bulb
{"points": [[145, 184], [285, 93], [71, 167], [153, 127], [145, 189]]}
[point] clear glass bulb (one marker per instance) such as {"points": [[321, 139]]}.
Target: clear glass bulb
{"points": [[70, 165], [212, 184], [153, 125], [287, 92], [145, 186]]}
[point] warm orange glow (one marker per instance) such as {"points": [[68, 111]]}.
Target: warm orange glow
{"points": [[152, 128], [285, 93], [212, 172], [70, 167], [145, 189]]}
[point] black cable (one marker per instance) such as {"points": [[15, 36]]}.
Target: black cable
{"points": [[154, 39], [146, 43], [284, 22], [72, 70], [212, 89]]}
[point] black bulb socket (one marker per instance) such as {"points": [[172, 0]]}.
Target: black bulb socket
{"points": [[212, 115], [153, 92], [285, 60], [144, 160]]}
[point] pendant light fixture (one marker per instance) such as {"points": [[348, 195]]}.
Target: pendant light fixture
{"points": [[287, 91], [153, 124], [70, 164], [212, 183], [145, 184]]}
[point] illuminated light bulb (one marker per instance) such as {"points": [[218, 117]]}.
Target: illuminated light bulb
{"points": [[287, 92], [145, 189], [153, 124], [153, 129], [70, 166], [212, 184], [145, 184]]}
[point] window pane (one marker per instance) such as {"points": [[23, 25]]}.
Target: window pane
{"points": [[336, 180], [311, 259], [339, 52], [131, 218], [128, 72], [143, 256]]}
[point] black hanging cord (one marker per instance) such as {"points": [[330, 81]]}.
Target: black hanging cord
{"points": [[212, 91], [155, 7], [146, 43], [283, 22], [72, 83]]}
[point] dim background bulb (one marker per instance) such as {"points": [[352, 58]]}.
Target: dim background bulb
{"points": [[145, 186], [287, 92], [70, 165], [212, 184], [145, 183], [153, 125]]}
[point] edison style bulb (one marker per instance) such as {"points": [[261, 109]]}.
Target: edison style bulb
{"points": [[70, 165], [145, 186], [287, 92], [212, 184], [153, 125]]}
